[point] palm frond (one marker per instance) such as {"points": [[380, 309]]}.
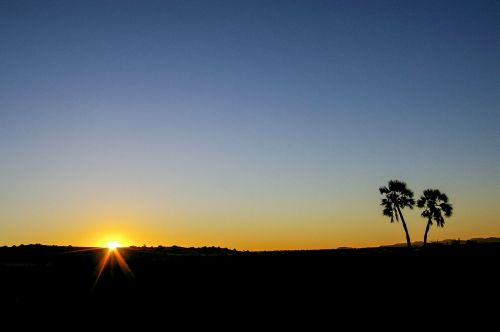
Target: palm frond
{"points": [[421, 202], [383, 190], [447, 209], [388, 212]]}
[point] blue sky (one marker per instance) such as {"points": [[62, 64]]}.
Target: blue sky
{"points": [[222, 118]]}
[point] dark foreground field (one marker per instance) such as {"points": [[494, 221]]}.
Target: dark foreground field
{"points": [[176, 280]]}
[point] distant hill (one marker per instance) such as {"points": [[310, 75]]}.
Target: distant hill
{"points": [[449, 241], [486, 240]]}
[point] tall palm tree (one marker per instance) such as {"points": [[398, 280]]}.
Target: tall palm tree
{"points": [[435, 204], [396, 197]]}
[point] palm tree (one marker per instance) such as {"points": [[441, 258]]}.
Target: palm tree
{"points": [[435, 204], [396, 198]]}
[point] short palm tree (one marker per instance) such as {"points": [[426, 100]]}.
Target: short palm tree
{"points": [[396, 197], [436, 207]]}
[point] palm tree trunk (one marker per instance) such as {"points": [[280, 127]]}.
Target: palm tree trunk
{"points": [[426, 231], [408, 241]]}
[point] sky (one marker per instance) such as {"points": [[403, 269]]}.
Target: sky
{"points": [[256, 125]]}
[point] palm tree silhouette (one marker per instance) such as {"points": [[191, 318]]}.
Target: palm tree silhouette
{"points": [[435, 204], [396, 197]]}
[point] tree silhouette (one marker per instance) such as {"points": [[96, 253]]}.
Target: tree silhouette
{"points": [[396, 197], [435, 204]]}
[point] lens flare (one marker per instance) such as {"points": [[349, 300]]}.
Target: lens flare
{"points": [[113, 256]]}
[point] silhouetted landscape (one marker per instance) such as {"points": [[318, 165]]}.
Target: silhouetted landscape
{"points": [[201, 279], [253, 125]]}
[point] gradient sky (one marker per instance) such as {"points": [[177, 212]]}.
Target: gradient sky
{"points": [[245, 124]]}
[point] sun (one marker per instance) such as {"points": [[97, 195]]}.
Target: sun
{"points": [[112, 245]]}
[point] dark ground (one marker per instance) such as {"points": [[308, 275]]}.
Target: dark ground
{"points": [[393, 281]]}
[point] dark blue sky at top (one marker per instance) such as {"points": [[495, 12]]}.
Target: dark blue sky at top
{"points": [[269, 91]]}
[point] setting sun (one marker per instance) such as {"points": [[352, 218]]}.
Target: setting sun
{"points": [[112, 245]]}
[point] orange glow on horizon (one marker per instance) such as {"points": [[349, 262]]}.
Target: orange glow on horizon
{"points": [[112, 240]]}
